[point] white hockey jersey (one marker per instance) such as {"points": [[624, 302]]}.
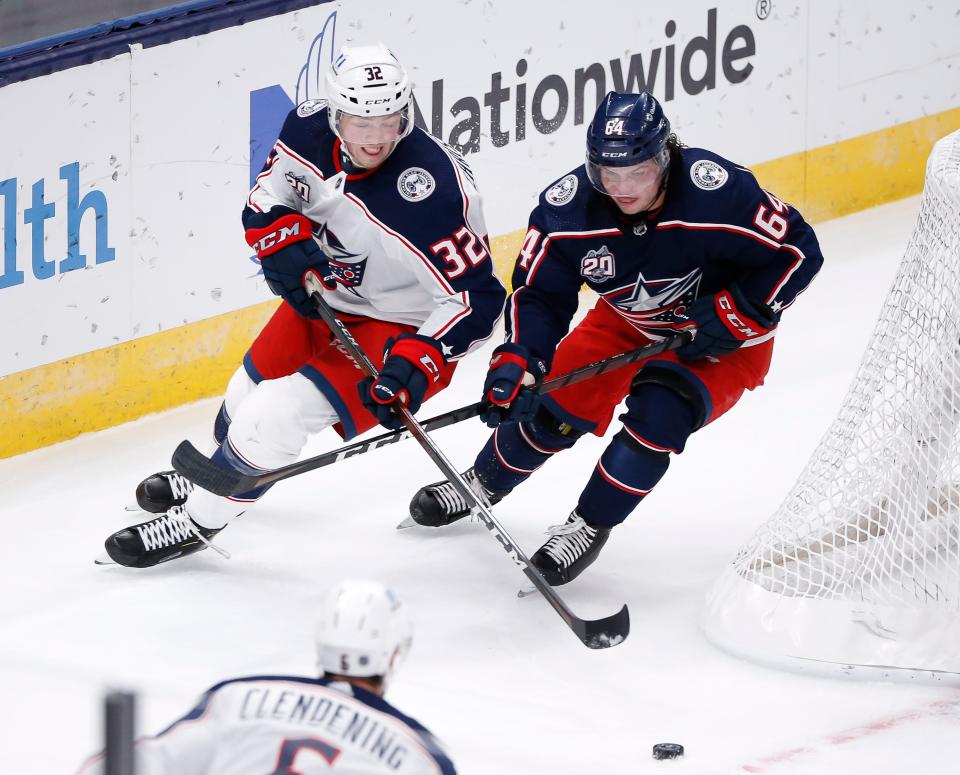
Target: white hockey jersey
{"points": [[286, 725], [407, 240]]}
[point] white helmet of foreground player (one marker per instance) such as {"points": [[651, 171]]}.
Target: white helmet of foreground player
{"points": [[363, 630], [368, 99]]}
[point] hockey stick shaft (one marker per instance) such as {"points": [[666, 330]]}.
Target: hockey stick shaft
{"points": [[594, 634], [198, 468]]}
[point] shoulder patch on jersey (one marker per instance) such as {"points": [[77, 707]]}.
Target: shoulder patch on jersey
{"points": [[415, 184], [708, 175], [598, 265], [562, 191], [309, 107], [299, 185]]}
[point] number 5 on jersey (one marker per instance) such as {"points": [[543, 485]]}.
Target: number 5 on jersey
{"points": [[290, 748]]}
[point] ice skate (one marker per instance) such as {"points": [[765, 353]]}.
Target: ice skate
{"points": [[571, 548], [160, 492], [439, 504], [166, 537]]}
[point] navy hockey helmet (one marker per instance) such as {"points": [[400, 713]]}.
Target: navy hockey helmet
{"points": [[627, 129]]}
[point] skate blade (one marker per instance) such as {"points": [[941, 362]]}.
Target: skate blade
{"points": [[526, 591], [407, 523], [103, 559], [134, 506]]}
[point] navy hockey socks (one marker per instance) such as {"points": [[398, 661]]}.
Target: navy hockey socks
{"points": [[225, 457], [221, 425], [621, 479], [516, 450], [657, 423]]}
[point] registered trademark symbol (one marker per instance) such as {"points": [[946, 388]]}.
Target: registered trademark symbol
{"points": [[763, 8]]}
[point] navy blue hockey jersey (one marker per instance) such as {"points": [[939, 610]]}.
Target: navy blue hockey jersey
{"points": [[716, 227]]}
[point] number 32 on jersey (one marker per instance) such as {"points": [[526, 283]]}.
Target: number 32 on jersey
{"points": [[459, 253]]}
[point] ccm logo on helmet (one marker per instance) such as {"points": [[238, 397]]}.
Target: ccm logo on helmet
{"points": [[613, 154]]}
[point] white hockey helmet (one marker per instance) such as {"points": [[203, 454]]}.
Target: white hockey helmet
{"points": [[363, 630], [369, 82]]}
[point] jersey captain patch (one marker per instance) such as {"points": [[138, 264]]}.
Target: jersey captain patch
{"points": [[708, 175], [415, 184], [562, 192]]}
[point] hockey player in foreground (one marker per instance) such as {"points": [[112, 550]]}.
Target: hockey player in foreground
{"points": [[390, 220], [289, 724], [669, 237]]}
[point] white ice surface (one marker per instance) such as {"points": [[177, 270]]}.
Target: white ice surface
{"points": [[500, 680]]}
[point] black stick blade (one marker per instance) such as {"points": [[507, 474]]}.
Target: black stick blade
{"points": [[603, 633], [203, 472]]}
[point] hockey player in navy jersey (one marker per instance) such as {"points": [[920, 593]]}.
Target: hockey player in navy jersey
{"points": [[669, 237], [389, 219], [338, 723]]}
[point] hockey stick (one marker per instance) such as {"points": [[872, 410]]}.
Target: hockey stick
{"points": [[595, 634], [200, 470]]}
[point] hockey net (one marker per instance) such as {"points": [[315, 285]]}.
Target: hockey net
{"points": [[859, 568]]}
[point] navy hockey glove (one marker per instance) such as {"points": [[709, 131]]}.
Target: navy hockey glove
{"points": [[724, 322], [412, 364], [286, 250], [509, 391]]}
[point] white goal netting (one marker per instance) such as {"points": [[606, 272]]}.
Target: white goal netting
{"points": [[860, 566]]}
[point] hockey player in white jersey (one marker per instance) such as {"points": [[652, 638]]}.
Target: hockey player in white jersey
{"points": [[281, 725], [390, 220]]}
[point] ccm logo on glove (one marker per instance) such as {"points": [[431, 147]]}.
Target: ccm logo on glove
{"points": [[740, 326], [412, 362], [282, 232], [430, 368]]}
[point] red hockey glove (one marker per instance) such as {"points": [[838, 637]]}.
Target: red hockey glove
{"points": [[412, 364], [286, 250], [509, 391]]}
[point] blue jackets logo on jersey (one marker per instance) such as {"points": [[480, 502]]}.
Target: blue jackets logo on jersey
{"points": [[708, 175], [350, 275], [598, 265], [415, 184], [656, 304], [562, 192], [667, 292], [309, 107]]}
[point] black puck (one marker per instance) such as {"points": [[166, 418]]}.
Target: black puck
{"points": [[667, 751]]}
